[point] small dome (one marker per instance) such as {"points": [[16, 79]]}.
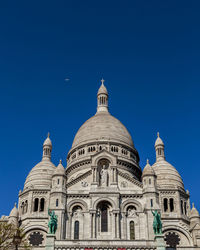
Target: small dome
{"points": [[47, 142], [40, 176], [194, 213], [167, 175], [102, 89], [102, 126], [148, 170], [159, 141], [60, 169], [14, 212]]}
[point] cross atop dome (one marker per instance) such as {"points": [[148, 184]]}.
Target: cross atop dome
{"points": [[102, 81], [102, 98]]}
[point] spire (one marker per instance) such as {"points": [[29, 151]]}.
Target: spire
{"points": [[102, 98], [159, 147], [47, 147]]}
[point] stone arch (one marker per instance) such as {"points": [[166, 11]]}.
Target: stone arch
{"points": [[180, 231], [113, 204], [77, 202], [29, 229], [129, 202], [101, 157]]}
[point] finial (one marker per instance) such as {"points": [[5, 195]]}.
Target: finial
{"points": [[193, 204], [48, 135], [15, 204], [147, 161], [102, 81], [60, 161], [158, 134]]}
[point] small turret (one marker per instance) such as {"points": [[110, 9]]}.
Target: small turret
{"points": [[47, 148], [194, 216], [159, 147], [149, 186], [102, 98], [13, 217]]}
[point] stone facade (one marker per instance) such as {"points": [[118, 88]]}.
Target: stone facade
{"points": [[103, 199]]}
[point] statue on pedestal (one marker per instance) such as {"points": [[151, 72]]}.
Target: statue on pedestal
{"points": [[104, 176], [53, 222], [157, 224]]}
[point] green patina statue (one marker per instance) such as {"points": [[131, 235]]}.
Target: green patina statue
{"points": [[157, 224], [53, 222]]}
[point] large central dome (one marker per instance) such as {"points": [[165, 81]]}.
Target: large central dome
{"points": [[102, 126]]}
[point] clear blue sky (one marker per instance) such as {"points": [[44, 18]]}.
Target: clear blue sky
{"points": [[147, 51]]}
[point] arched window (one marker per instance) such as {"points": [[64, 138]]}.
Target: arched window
{"points": [[76, 230], [151, 202], [42, 205], [149, 181], [132, 230], [56, 202], [104, 218], [22, 207], [36, 202], [185, 208], [165, 203], [171, 204], [181, 206], [58, 181], [26, 207]]}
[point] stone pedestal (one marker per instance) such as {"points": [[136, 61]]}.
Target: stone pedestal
{"points": [[50, 242], [160, 243]]}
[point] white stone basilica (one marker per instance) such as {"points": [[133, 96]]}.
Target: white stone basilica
{"points": [[103, 199]]}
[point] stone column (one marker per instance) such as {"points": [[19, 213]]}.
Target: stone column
{"points": [[94, 176], [50, 242], [113, 175], [69, 226], [124, 226], [91, 219], [116, 223], [117, 226], [93, 224]]}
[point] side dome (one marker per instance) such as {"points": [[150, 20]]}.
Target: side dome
{"points": [[102, 126], [40, 176], [60, 170], [194, 213], [167, 175], [14, 212], [148, 170]]}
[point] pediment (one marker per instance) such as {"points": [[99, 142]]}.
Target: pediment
{"points": [[127, 178], [79, 179], [104, 154]]}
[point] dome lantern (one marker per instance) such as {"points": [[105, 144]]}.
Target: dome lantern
{"points": [[47, 147], [102, 98], [159, 147]]}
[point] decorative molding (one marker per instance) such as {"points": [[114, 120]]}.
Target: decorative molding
{"points": [[83, 176], [139, 184]]}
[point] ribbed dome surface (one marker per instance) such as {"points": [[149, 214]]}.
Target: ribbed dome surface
{"points": [[194, 213], [167, 175], [40, 176], [102, 126], [60, 169], [14, 212], [148, 170]]}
